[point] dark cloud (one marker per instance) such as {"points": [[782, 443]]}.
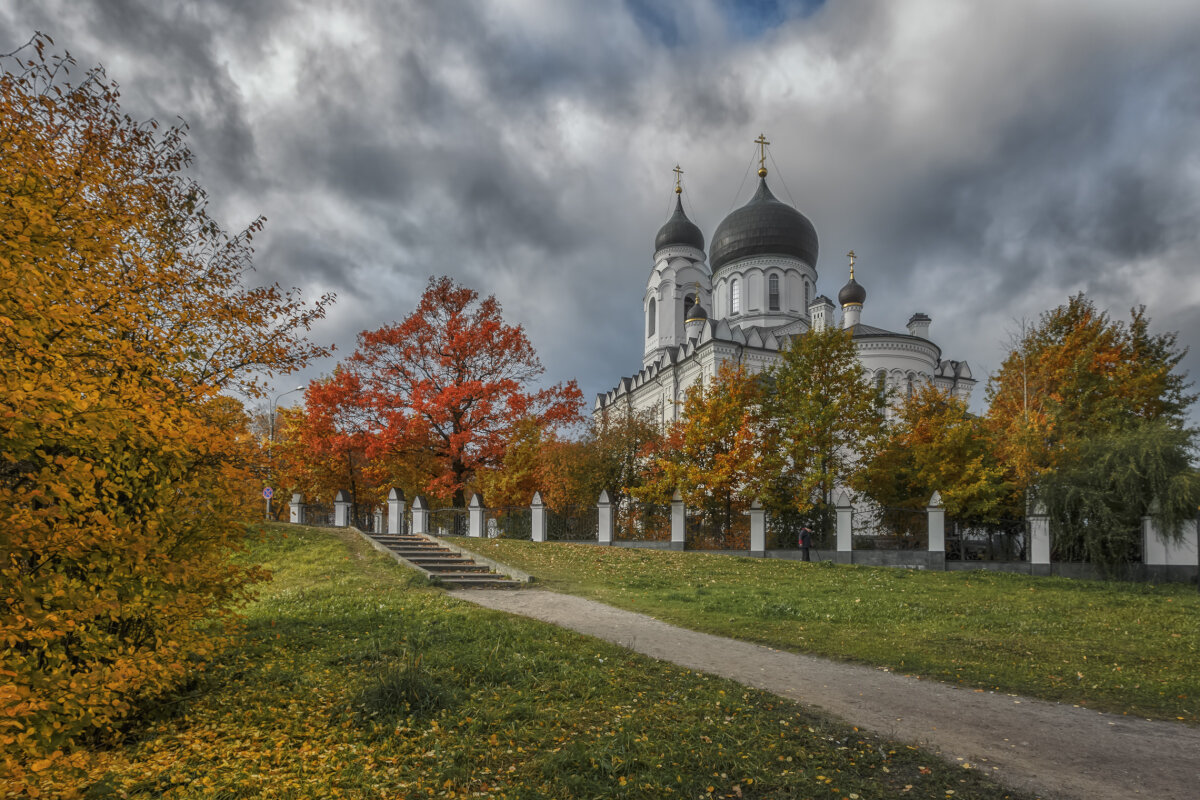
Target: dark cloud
{"points": [[984, 160]]}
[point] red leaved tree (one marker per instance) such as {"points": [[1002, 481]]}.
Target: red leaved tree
{"points": [[445, 385]]}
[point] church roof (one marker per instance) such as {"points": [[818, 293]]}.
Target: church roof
{"points": [[764, 225], [679, 230]]}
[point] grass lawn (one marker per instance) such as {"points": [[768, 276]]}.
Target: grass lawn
{"points": [[354, 680], [1121, 647]]}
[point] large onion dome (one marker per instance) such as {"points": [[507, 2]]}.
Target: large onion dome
{"points": [[764, 225], [679, 230]]}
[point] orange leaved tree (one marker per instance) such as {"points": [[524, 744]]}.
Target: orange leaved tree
{"points": [[713, 454], [445, 385], [123, 320]]}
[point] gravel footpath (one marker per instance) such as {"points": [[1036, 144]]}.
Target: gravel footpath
{"points": [[1055, 750]]}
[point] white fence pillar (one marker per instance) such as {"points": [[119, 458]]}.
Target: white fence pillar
{"points": [[845, 525], [297, 509], [758, 529], [420, 515], [604, 514], [341, 509], [678, 522], [378, 526], [537, 518], [475, 516], [395, 502], [935, 515], [1039, 539], [1160, 551]]}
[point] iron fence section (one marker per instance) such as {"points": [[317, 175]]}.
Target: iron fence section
{"points": [[718, 528], [573, 524], [888, 528], [967, 540], [449, 521], [508, 522], [363, 519], [635, 521], [1121, 548], [783, 530], [317, 515]]}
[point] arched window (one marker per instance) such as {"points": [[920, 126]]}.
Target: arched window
{"points": [[689, 300], [650, 319], [881, 389], [910, 384], [807, 302], [773, 293], [735, 297]]}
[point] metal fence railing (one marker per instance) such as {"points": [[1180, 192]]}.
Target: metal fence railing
{"points": [[635, 521], [573, 524], [717, 528], [317, 515], [967, 540], [449, 521], [783, 529], [888, 528], [508, 522]]}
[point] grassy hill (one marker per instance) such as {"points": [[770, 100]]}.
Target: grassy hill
{"points": [[354, 680]]}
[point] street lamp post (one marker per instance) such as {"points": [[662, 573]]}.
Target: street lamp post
{"points": [[271, 440]]}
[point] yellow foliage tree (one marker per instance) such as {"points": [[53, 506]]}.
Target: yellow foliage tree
{"points": [[712, 455], [123, 325]]}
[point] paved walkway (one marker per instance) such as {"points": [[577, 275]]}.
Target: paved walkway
{"points": [[1054, 750]]}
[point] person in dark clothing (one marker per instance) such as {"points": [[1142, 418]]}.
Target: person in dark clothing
{"points": [[806, 535]]}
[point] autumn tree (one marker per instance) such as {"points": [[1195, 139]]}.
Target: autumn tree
{"points": [[822, 422], [520, 472], [1089, 414], [449, 382], [935, 444], [712, 454], [124, 320], [1078, 373]]}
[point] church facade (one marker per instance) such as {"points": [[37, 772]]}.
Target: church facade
{"points": [[745, 298]]}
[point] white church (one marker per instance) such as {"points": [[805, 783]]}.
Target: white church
{"points": [[743, 300]]}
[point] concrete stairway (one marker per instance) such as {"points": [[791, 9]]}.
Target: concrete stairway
{"points": [[448, 567]]}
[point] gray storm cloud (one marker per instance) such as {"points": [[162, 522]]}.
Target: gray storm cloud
{"points": [[984, 160]]}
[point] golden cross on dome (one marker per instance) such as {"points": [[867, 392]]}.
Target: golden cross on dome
{"points": [[762, 143], [678, 172], [851, 256]]}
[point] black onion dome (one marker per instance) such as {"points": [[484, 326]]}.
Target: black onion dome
{"points": [[764, 225], [696, 313], [679, 230], [852, 293]]}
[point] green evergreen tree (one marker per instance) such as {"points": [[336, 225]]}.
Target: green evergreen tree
{"points": [[822, 423]]}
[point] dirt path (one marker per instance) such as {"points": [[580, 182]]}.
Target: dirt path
{"points": [[1054, 750]]}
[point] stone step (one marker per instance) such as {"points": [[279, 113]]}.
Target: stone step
{"points": [[450, 567], [467, 568], [478, 581]]}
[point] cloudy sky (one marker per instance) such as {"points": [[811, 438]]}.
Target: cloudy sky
{"points": [[985, 160]]}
